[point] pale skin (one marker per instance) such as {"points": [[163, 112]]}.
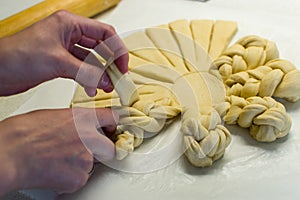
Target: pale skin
{"points": [[42, 149]]}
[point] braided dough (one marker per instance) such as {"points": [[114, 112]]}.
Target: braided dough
{"points": [[173, 74], [253, 73]]}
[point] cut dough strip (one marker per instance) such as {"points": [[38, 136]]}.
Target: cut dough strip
{"points": [[163, 39], [182, 32], [202, 32], [223, 32], [141, 46]]}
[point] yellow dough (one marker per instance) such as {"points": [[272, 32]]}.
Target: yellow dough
{"points": [[170, 67], [266, 118], [253, 73], [185, 68], [223, 32], [166, 43], [183, 35], [251, 67], [202, 31], [141, 46]]}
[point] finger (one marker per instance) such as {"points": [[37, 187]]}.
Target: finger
{"points": [[107, 117], [90, 91], [94, 29], [82, 28], [100, 31], [111, 48], [88, 42], [120, 52], [79, 52], [109, 130], [122, 63], [103, 148], [108, 89], [105, 83], [120, 55], [87, 121], [83, 47], [88, 57], [84, 73], [104, 51]]}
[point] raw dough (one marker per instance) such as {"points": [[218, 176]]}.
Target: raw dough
{"points": [[171, 71], [223, 32], [266, 118], [253, 73]]}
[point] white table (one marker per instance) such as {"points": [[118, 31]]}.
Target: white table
{"points": [[249, 170]]}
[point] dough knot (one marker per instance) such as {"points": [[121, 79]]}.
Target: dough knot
{"points": [[150, 113], [205, 138], [266, 118]]}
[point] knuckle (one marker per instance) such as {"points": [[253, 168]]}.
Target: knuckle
{"points": [[111, 29], [79, 181], [60, 17], [86, 161], [61, 13], [72, 183]]}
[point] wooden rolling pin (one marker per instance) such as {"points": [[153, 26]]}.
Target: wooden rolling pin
{"points": [[23, 19]]}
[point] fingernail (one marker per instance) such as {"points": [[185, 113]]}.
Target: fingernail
{"points": [[104, 81], [109, 89]]}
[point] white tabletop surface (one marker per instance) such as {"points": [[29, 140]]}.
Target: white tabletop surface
{"points": [[249, 170]]}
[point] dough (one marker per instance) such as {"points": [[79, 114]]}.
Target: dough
{"points": [[252, 67], [183, 68], [266, 118], [223, 32], [169, 74], [183, 35], [253, 73], [163, 39], [141, 46], [202, 31]]}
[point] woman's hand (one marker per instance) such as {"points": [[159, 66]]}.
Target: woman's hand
{"points": [[52, 149], [48, 49]]}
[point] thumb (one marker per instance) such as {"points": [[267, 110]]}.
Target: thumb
{"points": [[88, 122], [102, 147]]}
